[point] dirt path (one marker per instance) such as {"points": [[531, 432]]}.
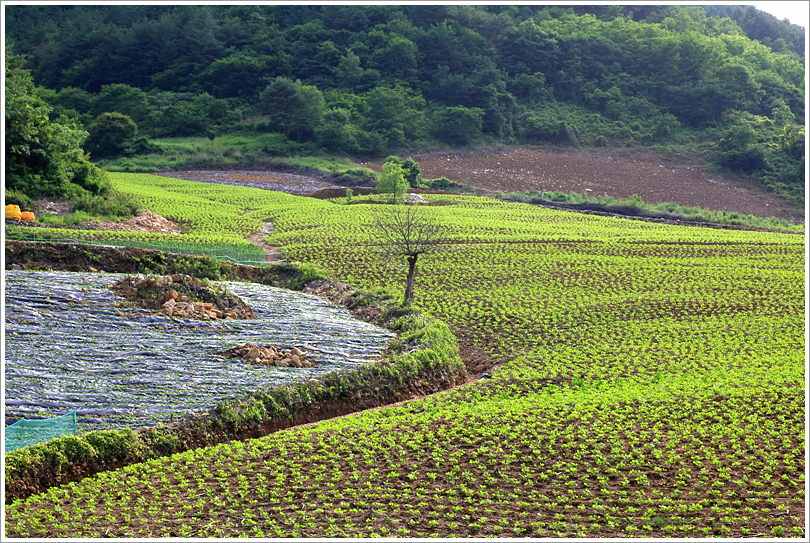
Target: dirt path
{"points": [[615, 172], [273, 252]]}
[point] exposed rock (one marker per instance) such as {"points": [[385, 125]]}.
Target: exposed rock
{"points": [[181, 296], [46, 206], [415, 198], [270, 355]]}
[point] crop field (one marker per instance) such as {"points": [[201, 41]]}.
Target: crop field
{"points": [[70, 347], [650, 382]]}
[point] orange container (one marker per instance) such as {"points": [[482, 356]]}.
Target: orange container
{"points": [[27, 216]]}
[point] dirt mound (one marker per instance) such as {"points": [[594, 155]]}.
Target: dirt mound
{"points": [[182, 296], [619, 173], [146, 221]]}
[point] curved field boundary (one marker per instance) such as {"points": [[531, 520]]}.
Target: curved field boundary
{"points": [[422, 360], [190, 248], [70, 344]]}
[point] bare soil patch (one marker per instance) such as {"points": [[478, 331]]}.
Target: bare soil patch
{"points": [[145, 221], [273, 252], [619, 173]]}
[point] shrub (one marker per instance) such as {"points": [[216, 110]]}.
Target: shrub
{"points": [[15, 197], [111, 204], [364, 174], [111, 134]]}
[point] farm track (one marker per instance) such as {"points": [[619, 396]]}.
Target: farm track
{"points": [[272, 252]]}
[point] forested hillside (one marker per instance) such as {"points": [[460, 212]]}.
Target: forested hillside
{"points": [[373, 80]]}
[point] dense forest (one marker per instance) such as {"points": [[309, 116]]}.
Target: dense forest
{"points": [[724, 81]]}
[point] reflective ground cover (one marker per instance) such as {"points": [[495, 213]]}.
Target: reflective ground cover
{"points": [[69, 347], [282, 182], [651, 384]]}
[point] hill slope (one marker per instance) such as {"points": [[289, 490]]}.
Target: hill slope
{"points": [[372, 80], [614, 172]]}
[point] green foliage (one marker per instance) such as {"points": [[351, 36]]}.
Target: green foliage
{"points": [[369, 81], [114, 443], [159, 442], [442, 183], [110, 134], [294, 108], [392, 181], [112, 204], [307, 272], [410, 170], [364, 174], [15, 197], [43, 158], [457, 125], [768, 149], [47, 461], [130, 101]]}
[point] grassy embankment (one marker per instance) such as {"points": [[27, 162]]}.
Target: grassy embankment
{"points": [[637, 207], [227, 150], [651, 384]]}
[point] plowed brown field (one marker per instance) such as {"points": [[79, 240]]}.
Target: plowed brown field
{"points": [[615, 172]]}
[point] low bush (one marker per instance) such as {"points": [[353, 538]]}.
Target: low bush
{"points": [[442, 183], [15, 197]]}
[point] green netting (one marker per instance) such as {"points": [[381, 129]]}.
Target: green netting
{"points": [[25, 433]]}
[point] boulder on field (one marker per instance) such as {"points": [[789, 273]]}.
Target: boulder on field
{"points": [[415, 199], [270, 355]]}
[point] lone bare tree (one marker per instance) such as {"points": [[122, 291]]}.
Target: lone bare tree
{"points": [[406, 231]]}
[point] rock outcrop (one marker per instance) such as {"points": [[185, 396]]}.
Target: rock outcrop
{"points": [[270, 355], [181, 296]]}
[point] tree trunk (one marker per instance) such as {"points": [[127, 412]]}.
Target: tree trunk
{"points": [[409, 284]]}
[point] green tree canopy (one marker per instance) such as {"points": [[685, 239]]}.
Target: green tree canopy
{"points": [[406, 77], [392, 181], [110, 134], [43, 158], [295, 108]]}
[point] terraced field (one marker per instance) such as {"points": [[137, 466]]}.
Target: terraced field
{"points": [[69, 345], [650, 383]]}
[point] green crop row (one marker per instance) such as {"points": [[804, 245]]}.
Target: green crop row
{"points": [[234, 250], [673, 458]]}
